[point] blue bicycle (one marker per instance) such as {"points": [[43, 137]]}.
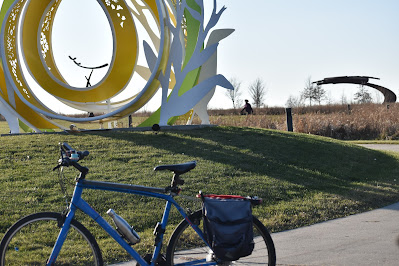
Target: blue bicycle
{"points": [[58, 239]]}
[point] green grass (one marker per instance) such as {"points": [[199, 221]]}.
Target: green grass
{"points": [[122, 123], [303, 179], [4, 129]]}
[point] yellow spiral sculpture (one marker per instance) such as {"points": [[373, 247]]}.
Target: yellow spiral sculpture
{"points": [[181, 64]]}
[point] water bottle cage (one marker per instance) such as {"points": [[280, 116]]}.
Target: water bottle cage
{"points": [[124, 237], [158, 231]]}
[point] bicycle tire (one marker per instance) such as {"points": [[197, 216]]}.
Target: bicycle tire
{"points": [[30, 242], [185, 246]]}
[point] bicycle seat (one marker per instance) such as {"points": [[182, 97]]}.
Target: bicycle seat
{"points": [[177, 168]]}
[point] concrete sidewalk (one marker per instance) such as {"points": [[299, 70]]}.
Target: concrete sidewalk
{"points": [[370, 238], [383, 147]]}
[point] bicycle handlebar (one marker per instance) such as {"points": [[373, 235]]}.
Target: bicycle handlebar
{"points": [[69, 151], [70, 157]]}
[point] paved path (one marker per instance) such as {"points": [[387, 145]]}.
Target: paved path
{"points": [[385, 147], [370, 238]]}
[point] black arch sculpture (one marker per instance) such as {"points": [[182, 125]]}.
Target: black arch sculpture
{"points": [[389, 96]]}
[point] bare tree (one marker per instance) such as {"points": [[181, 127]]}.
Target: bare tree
{"points": [[293, 101], [307, 92], [234, 95], [329, 98], [363, 96], [257, 91], [313, 92], [319, 94]]}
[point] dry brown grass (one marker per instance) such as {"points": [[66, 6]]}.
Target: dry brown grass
{"points": [[366, 121], [372, 121], [259, 121]]}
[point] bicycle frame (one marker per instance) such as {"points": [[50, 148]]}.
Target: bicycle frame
{"points": [[78, 203]]}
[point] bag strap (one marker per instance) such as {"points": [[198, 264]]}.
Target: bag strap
{"points": [[254, 200], [201, 196], [214, 196]]}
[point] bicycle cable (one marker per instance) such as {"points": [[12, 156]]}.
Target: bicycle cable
{"points": [[189, 198], [62, 178]]}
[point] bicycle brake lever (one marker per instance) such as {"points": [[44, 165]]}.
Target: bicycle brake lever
{"points": [[61, 162]]}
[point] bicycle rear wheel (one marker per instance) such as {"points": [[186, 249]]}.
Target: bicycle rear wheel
{"points": [[30, 242], [186, 247]]}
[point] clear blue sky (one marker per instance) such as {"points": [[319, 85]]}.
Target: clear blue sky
{"points": [[283, 42], [286, 41]]}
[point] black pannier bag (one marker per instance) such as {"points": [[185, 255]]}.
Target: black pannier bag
{"points": [[228, 226]]}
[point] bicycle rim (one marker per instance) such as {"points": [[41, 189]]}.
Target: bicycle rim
{"points": [[187, 248], [31, 240]]}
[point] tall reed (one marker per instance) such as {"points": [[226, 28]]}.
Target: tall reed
{"points": [[355, 122]]}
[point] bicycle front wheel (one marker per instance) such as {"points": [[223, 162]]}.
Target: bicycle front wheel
{"points": [[30, 242], [187, 248]]}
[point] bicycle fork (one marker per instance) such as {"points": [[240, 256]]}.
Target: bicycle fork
{"points": [[65, 226], [61, 237]]}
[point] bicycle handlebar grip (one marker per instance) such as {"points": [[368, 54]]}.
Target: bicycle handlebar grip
{"points": [[66, 146], [82, 169], [83, 154], [70, 157]]}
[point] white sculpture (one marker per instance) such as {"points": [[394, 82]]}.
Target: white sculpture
{"points": [[183, 66]]}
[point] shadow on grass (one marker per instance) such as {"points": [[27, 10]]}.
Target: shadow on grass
{"points": [[303, 179], [302, 164]]}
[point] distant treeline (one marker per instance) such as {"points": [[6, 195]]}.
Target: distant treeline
{"points": [[315, 109]]}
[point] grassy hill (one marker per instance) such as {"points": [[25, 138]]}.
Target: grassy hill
{"points": [[303, 179]]}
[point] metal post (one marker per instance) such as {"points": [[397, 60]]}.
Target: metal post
{"points": [[130, 121], [289, 119]]}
